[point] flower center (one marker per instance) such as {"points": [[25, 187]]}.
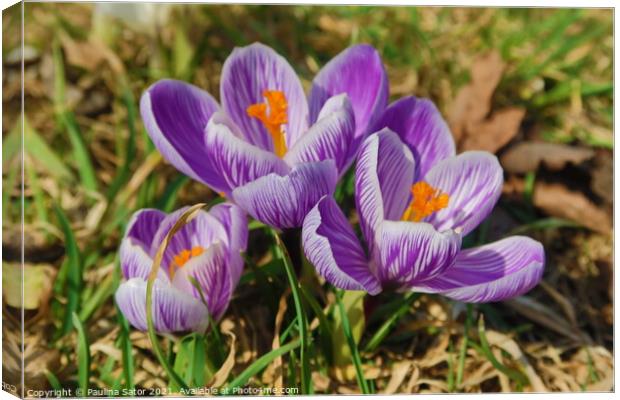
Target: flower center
{"points": [[184, 256], [277, 107], [426, 200]]}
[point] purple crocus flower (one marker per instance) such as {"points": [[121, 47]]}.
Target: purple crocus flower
{"points": [[207, 249], [268, 148], [416, 199]]}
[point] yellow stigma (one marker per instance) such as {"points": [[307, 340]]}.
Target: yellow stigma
{"points": [[426, 200], [276, 102], [184, 256]]}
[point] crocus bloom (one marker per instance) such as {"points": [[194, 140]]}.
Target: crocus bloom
{"points": [[416, 200], [207, 249], [268, 148]]}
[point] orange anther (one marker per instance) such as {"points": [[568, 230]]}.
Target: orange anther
{"points": [[426, 200], [277, 106]]}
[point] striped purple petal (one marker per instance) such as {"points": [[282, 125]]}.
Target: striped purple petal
{"points": [[235, 222], [358, 72], [411, 252], [332, 247], [246, 74], [420, 125], [383, 177], [329, 138], [497, 271], [173, 310], [135, 262], [202, 231], [217, 272], [473, 180], [143, 225], [238, 161], [175, 115], [284, 201]]}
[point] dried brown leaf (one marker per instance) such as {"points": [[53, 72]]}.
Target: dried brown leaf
{"points": [[603, 177], [473, 102], [544, 316], [558, 201], [512, 348], [274, 372], [399, 373], [222, 374], [527, 156], [495, 132]]}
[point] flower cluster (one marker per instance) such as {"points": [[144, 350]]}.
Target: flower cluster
{"points": [[277, 155]]}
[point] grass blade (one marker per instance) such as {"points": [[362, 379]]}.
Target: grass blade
{"points": [[83, 355], [383, 331], [463, 350], [73, 272], [306, 382], [168, 199], [355, 355], [130, 147], [485, 350], [67, 120], [260, 364]]}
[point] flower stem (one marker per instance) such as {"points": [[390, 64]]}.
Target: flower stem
{"points": [[182, 221], [302, 321], [383, 331], [355, 354]]}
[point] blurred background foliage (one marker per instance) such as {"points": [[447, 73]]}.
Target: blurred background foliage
{"points": [[531, 85]]}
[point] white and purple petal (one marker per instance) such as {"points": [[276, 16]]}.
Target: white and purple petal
{"points": [[473, 180], [235, 222], [329, 138], [217, 273], [135, 262], [420, 125], [173, 310], [238, 161], [175, 115], [246, 74], [143, 225], [497, 271], [332, 247], [284, 201], [413, 251], [358, 72], [202, 231], [383, 177]]}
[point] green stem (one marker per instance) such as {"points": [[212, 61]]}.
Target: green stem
{"points": [[259, 365], [383, 331], [306, 383], [355, 354], [463, 350]]}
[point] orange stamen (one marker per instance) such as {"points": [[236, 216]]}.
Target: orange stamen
{"points": [[426, 200], [184, 256], [276, 102]]}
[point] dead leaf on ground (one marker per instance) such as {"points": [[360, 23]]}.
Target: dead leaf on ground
{"points": [[511, 347], [472, 126], [528, 156], [603, 177], [545, 316], [90, 54], [495, 132], [558, 201], [274, 372], [399, 373], [221, 376]]}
